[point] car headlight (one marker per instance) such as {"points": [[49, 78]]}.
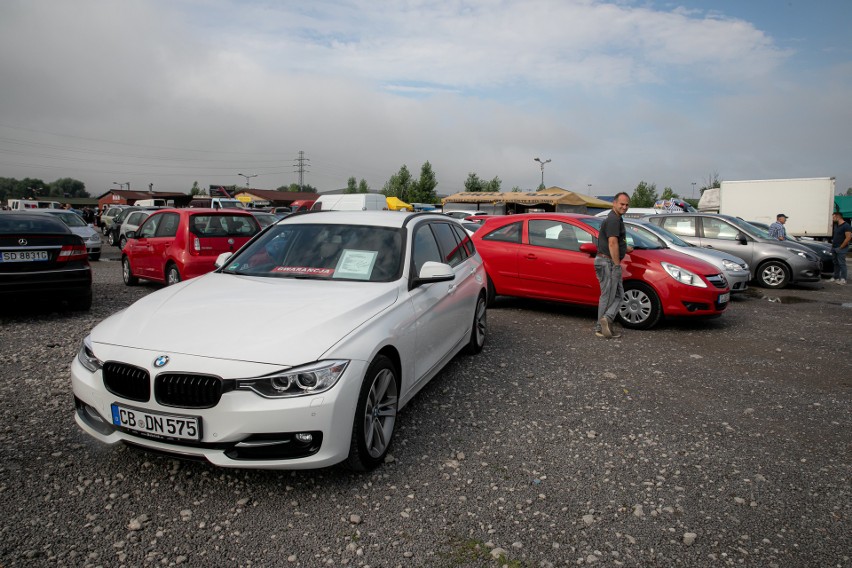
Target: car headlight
{"points": [[684, 276], [803, 254], [732, 266], [298, 381], [87, 358]]}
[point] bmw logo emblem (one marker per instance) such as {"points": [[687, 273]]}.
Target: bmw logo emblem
{"points": [[161, 361]]}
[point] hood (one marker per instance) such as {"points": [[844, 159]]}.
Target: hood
{"points": [[713, 255], [266, 320], [675, 257]]}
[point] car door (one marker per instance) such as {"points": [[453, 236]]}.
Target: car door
{"points": [[142, 250], [551, 266], [501, 247], [440, 318], [721, 235], [165, 231]]}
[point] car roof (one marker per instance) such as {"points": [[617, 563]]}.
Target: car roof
{"points": [[395, 219]]}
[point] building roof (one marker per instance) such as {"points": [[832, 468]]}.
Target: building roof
{"points": [[274, 195], [131, 194], [551, 196]]}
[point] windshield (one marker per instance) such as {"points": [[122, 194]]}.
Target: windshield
{"points": [[745, 226], [322, 252], [635, 239], [759, 231], [664, 234], [71, 219]]}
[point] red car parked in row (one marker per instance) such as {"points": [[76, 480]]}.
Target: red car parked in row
{"points": [[178, 244], [550, 256]]}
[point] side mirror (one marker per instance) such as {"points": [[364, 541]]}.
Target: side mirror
{"points": [[222, 259], [434, 272], [589, 248], [130, 235], [742, 238]]}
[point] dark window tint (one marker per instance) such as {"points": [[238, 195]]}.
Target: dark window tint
{"points": [[453, 252], [508, 234], [148, 228], [168, 225], [425, 248]]}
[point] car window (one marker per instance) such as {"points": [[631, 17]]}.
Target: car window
{"points": [[149, 227], [316, 251], [510, 233], [12, 224], [223, 225], [137, 217], [425, 247], [683, 226], [465, 239], [553, 234], [453, 252], [719, 229], [169, 225], [648, 235]]}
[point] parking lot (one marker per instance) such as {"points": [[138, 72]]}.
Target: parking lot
{"points": [[716, 443]]}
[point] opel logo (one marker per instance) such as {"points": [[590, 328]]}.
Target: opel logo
{"points": [[161, 361], [22, 242], [230, 241]]}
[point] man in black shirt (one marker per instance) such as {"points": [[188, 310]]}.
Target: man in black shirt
{"points": [[612, 247]]}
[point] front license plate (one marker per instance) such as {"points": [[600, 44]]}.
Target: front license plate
{"points": [[723, 298], [157, 424], [24, 256]]}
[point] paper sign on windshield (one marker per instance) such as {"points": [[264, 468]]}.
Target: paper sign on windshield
{"points": [[356, 264]]}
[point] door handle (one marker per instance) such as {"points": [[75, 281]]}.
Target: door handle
{"points": [[531, 256], [451, 289]]}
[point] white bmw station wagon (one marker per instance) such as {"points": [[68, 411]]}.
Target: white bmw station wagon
{"points": [[297, 352]]}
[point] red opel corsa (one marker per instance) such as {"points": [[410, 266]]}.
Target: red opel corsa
{"points": [[550, 256], [178, 244]]}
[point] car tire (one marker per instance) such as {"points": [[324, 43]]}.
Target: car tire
{"points": [[104, 230], [640, 306], [127, 273], [95, 256], [773, 274], [172, 275], [111, 239], [375, 416], [479, 330], [122, 241], [491, 292]]}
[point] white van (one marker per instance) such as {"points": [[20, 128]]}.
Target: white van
{"points": [[634, 212], [351, 202], [151, 203], [21, 204]]}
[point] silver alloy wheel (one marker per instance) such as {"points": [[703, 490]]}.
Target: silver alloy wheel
{"points": [[773, 275], [481, 322], [636, 306], [172, 275], [380, 413]]}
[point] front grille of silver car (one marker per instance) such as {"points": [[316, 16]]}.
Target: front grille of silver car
{"points": [[718, 280], [127, 381], [188, 390]]}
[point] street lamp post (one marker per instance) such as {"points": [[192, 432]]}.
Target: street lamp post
{"points": [[542, 168], [693, 190], [121, 185], [248, 177]]}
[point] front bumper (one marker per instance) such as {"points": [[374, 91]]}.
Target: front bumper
{"points": [[244, 430]]}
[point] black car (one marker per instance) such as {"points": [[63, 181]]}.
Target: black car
{"points": [[41, 259]]}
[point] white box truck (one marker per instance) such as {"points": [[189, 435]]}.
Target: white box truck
{"points": [[808, 203]]}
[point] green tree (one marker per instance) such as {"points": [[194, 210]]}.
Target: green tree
{"points": [[713, 182], [294, 187], [34, 187], [195, 189], [517, 189], [668, 193], [472, 183], [423, 190], [363, 187], [399, 184], [848, 192], [493, 185], [645, 195], [351, 185]]}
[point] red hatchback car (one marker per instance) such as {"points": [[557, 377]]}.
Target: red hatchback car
{"points": [[550, 256], [178, 244]]}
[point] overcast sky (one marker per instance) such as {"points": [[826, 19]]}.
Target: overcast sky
{"points": [[613, 93]]}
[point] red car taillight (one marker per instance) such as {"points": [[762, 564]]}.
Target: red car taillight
{"points": [[72, 252], [196, 246]]}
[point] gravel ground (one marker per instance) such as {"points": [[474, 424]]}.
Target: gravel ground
{"points": [[716, 443]]}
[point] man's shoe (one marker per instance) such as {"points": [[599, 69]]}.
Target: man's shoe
{"points": [[842, 282], [831, 280], [605, 329]]}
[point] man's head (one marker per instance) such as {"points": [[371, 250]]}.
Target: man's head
{"points": [[781, 218], [621, 203], [837, 217]]}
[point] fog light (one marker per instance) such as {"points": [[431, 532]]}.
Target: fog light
{"points": [[304, 437]]}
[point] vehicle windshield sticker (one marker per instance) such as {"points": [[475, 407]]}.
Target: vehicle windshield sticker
{"points": [[356, 264], [304, 270]]}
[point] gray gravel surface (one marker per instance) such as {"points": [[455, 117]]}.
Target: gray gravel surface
{"points": [[719, 443]]}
